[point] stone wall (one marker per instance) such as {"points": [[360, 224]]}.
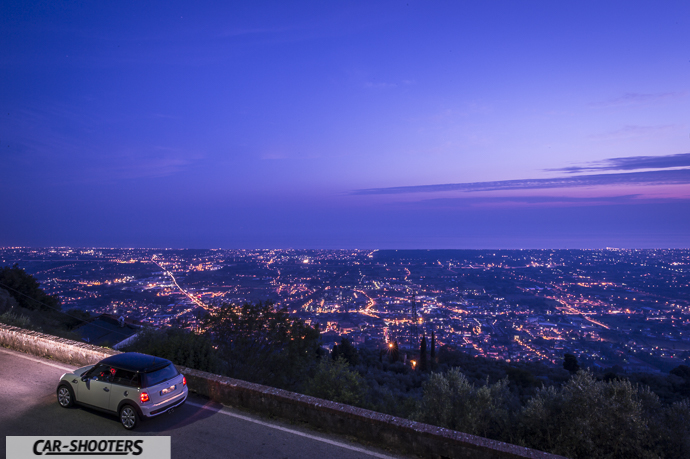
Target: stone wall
{"points": [[369, 426], [52, 347]]}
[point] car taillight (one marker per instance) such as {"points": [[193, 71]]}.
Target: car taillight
{"points": [[144, 397], [184, 380]]}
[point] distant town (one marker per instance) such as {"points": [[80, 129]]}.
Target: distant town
{"points": [[610, 308]]}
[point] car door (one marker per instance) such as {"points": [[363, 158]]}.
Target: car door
{"points": [[125, 387], [95, 390]]}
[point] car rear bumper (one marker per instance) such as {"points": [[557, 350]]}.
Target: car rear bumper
{"points": [[151, 411]]}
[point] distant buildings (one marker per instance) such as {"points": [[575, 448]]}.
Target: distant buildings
{"points": [[606, 306]]}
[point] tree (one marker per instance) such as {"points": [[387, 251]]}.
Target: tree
{"points": [[672, 431], [347, 351], [28, 306], [335, 353], [180, 346], [521, 378], [261, 344], [423, 361], [335, 381], [433, 351], [570, 363], [451, 401], [26, 290], [682, 371], [587, 418]]}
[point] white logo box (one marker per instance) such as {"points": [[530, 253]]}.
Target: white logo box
{"points": [[88, 447]]}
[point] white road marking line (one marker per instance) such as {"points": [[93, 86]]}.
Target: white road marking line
{"points": [[295, 432], [37, 360]]}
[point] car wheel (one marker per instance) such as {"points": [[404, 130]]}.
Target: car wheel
{"points": [[128, 417], [65, 396]]}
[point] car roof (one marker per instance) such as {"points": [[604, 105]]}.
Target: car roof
{"points": [[134, 361]]}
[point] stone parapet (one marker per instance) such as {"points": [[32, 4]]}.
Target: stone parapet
{"points": [[52, 347]]}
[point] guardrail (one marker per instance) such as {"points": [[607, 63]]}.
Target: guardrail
{"points": [[381, 429]]}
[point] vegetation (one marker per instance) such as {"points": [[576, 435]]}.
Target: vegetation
{"points": [[591, 418], [182, 347], [423, 358], [258, 343], [26, 290], [347, 351], [570, 363], [334, 380], [24, 304], [11, 318], [451, 401]]}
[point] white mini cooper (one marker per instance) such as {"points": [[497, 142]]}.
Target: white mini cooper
{"points": [[134, 386]]}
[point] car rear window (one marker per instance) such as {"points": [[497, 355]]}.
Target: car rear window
{"points": [[158, 376]]}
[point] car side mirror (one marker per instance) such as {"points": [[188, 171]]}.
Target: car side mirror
{"points": [[84, 378]]}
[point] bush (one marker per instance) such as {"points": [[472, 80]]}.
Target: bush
{"points": [[671, 430], [263, 345], [335, 381], [451, 401], [21, 321], [587, 418]]}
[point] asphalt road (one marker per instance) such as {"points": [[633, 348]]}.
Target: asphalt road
{"points": [[198, 429]]}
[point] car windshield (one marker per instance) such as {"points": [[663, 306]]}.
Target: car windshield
{"points": [[158, 376]]}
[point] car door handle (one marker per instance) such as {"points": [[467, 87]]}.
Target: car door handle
{"points": [[106, 389]]}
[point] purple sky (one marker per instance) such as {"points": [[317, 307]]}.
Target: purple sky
{"points": [[345, 124]]}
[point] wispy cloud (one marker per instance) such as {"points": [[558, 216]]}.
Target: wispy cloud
{"points": [[667, 177], [635, 131], [149, 168], [635, 98], [139, 163], [469, 202], [631, 163]]}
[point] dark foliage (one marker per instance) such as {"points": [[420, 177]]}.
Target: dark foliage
{"points": [[589, 418], [682, 371], [433, 351], [179, 346], [24, 304], [570, 363], [334, 380], [261, 344], [423, 357], [346, 351], [26, 290]]}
